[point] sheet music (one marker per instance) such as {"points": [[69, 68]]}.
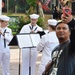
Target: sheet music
{"points": [[24, 41], [35, 39], [28, 40]]}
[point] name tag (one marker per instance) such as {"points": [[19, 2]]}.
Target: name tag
{"points": [[54, 71]]}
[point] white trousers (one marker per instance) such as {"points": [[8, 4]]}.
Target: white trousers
{"points": [[5, 63], [42, 66], [28, 60]]}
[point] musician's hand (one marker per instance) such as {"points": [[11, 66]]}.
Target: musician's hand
{"points": [[32, 31]]}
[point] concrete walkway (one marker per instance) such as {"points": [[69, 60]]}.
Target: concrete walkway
{"points": [[14, 61]]}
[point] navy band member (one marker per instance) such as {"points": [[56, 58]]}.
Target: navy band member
{"points": [[5, 38], [47, 44], [30, 28]]}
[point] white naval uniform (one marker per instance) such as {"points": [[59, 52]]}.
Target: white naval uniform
{"points": [[5, 51], [26, 51], [47, 44]]}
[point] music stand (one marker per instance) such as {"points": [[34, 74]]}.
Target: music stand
{"points": [[13, 42], [28, 40]]}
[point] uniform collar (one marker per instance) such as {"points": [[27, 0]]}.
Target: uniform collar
{"points": [[31, 25]]}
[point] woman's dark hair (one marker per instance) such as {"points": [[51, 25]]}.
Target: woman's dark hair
{"points": [[53, 27]]}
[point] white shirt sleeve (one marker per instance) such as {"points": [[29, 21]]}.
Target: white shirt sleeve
{"points": [[41, 44], [8, 36]]}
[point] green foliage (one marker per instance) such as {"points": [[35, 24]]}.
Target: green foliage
{"points": [[22, 20], [32, 2], [32, 8], [40, 22], [18, 23], [14, 26], [14, 29]]}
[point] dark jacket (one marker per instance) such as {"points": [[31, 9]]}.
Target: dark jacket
{"points": [[55, 14]]}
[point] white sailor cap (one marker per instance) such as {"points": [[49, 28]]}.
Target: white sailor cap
{"points": [[4, 18], [52, 22], [34, 16]]}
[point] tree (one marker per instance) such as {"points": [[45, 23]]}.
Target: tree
{"points": [[32, 4]]}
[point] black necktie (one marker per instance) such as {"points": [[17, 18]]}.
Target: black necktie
{"points": [[4, 38], [32, 27], [0, 33]]}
